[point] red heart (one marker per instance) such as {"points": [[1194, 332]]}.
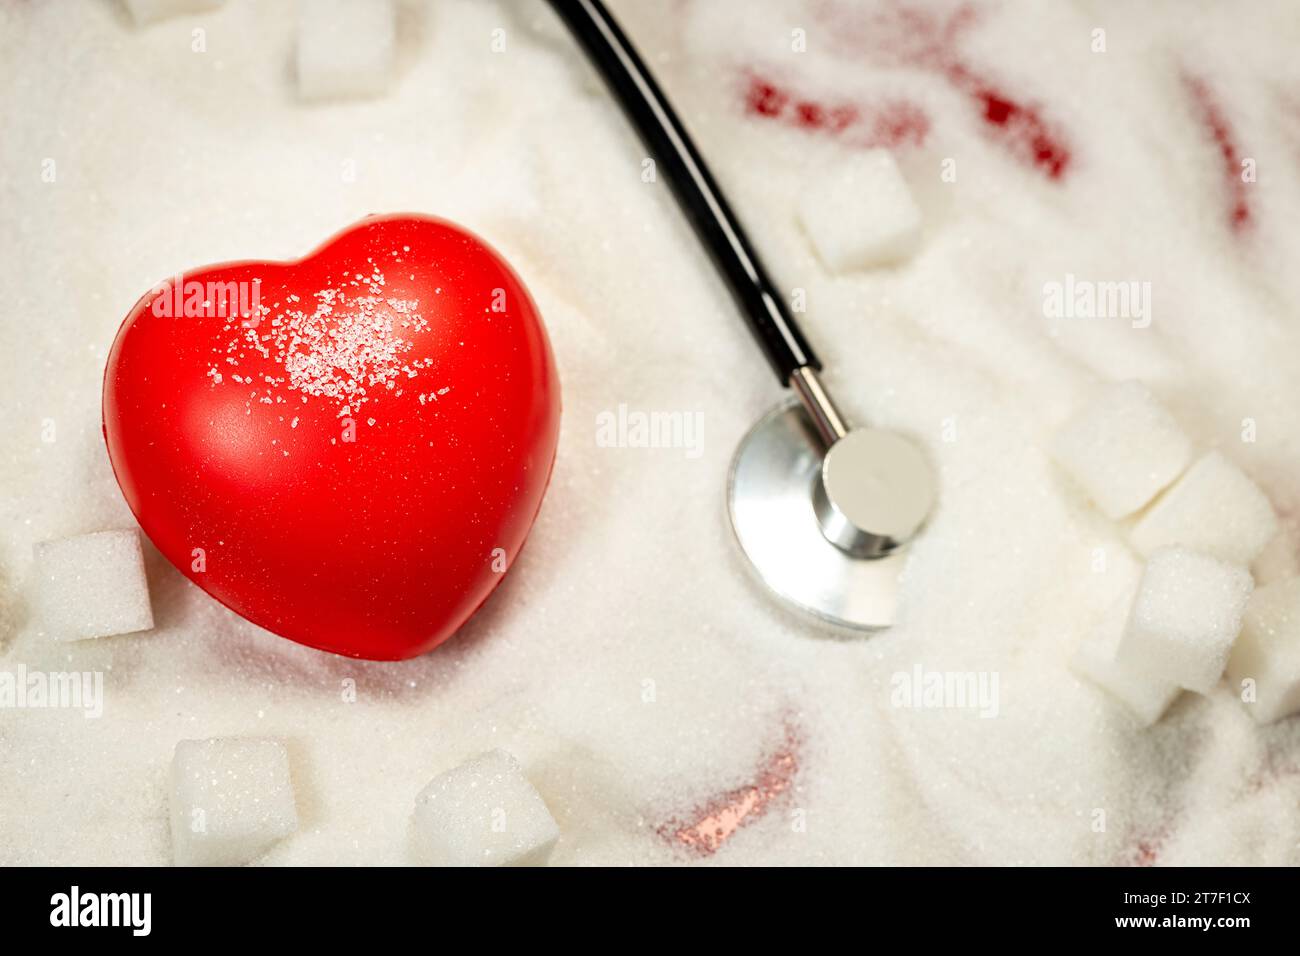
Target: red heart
{"points": [[349, 449]]}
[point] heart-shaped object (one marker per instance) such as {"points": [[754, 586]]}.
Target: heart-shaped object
{"points": [[349, 449]]}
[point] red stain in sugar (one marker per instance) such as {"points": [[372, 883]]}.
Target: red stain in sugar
{"points": [[765, 99], [709, 826], [1214, 119], [1278, 769], [900, 122], [1147, 852], [891, 123], [1021, 126], [909, 36], [1147, 846]]}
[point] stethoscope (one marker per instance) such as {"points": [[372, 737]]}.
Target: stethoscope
{"points": [[822, 511]]}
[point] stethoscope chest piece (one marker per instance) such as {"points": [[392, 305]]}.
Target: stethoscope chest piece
{"points": [[797, 536]]}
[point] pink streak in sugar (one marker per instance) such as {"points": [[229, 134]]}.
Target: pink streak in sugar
{"points": [[710, 826], [1212, 117]]}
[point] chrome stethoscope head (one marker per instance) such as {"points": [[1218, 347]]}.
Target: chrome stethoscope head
{"points": [[821, 511]]}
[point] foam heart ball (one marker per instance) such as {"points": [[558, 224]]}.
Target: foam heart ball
{"points": [[348, 450]]}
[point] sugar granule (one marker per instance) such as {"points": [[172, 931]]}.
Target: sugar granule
{"points": [[344, 349]]}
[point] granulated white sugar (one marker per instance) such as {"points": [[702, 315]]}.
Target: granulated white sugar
{"points": [[651, 691], [144, 12], [348, 349]]}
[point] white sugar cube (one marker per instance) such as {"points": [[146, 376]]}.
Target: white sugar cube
{"points": [[1145, 696], [483, 813], [150, 11], [1186, 616], [1268, 651], [859, 213], [1214, 508], [345, 47], [92, 585], [1122, 448], [231, 800]]}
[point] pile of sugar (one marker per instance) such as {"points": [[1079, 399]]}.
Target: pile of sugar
{"points": [[651, 689], [346, 345]]}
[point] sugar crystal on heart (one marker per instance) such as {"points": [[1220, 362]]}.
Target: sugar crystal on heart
{"points": [[345, 346]]}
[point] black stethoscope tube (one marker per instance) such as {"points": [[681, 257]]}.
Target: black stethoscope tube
{"points": [[707, 209]]}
